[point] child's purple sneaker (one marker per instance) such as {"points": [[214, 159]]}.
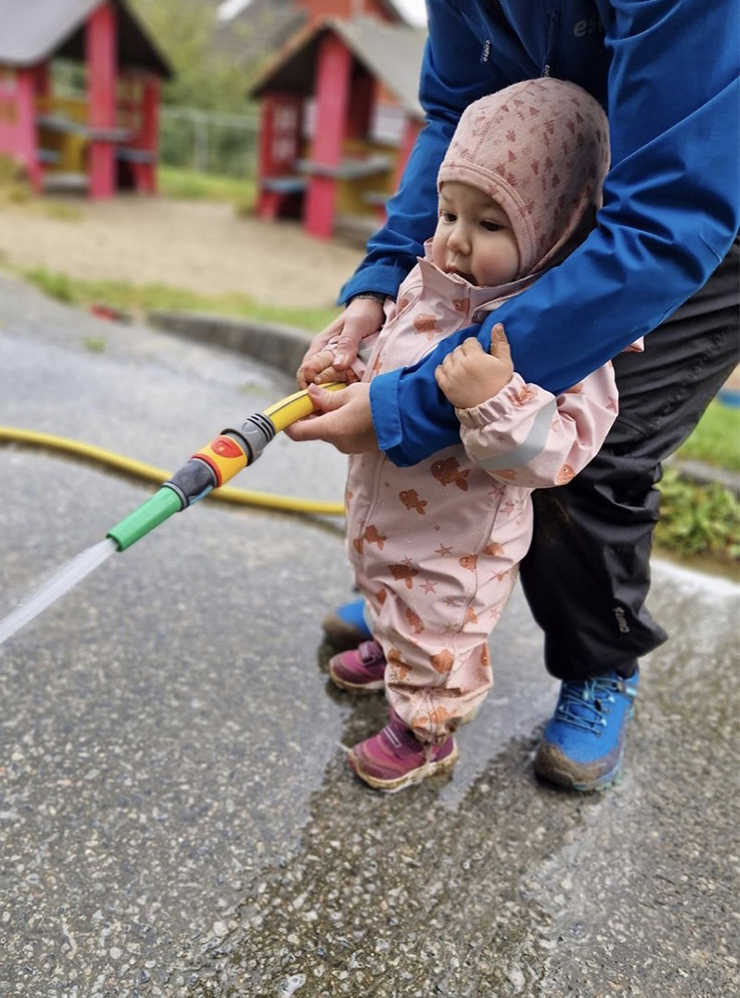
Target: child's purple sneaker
{"points": [[395, 758], [360, 670]]}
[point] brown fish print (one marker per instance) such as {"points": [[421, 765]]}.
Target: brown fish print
{"points": [[373, 536], [565, 475], [414, 620], [411, 500], [426, 324], [397, 664], [442, 661], [448, 472], [468, 562], [493, 549], [404, 573], [437, 716]]}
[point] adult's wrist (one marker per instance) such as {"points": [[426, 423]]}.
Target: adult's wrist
{"points": [[378, 296]]}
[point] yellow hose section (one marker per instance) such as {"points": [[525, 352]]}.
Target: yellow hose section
{"points": [[148, 473], [295, 407]]}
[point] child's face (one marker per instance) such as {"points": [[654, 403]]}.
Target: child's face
{"points": [[473, 237]]}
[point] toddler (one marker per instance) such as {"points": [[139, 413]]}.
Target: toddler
{"points": [[435, 547]]}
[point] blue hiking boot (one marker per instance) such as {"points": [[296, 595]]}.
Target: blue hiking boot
{"points": [[345, 627], [583, 741]]}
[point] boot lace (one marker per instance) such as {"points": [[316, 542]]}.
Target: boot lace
{"points": [[585, 704]]}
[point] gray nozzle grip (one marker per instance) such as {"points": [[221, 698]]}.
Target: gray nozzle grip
{"points": [[192, 482], [255, 434]]}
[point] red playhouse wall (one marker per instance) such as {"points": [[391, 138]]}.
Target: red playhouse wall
{"points": [[113, 138], [17, 120], [347, 9]]}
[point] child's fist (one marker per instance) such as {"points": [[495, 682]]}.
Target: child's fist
{"points": [[469, 376]]}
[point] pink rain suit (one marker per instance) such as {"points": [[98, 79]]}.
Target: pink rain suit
{"points": [[435, 547]]}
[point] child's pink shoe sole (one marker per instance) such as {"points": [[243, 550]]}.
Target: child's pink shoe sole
{"points": [[382, 765]]}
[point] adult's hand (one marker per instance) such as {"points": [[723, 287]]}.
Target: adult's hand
{"points": [[342, 418], [362, 317]]}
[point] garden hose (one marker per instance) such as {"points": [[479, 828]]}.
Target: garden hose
{"points": [[204, 473]]}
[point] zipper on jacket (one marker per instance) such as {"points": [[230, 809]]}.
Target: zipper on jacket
{"points": [[552, 26]]}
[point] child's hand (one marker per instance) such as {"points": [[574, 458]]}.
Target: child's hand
{"points": [[322, 371], [469, 376], [361, 318]]}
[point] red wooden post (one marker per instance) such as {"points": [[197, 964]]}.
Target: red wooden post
{"points": [[279, 139], [332, 98], [266, 206], [146, 172], [26, 149], [100, 40], [362, 99], [42, 79]]}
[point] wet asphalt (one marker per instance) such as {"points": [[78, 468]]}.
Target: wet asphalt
{"points": [[177, 818]]}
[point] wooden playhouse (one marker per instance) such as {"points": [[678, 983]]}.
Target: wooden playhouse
{"points": [[103, 141], [339, 115]]}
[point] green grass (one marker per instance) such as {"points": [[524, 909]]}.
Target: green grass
{"points": [[698, 520], [95, 344], [716, 440], [703, 520], [137, 300], [189, 185]]}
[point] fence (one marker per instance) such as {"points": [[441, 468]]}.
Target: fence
{"points": [[209, 141]]}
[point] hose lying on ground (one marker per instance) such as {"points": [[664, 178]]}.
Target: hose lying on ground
{"points": [[149, 473]]}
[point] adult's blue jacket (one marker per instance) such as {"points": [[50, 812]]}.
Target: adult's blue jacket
{"points": [[667, 73]]}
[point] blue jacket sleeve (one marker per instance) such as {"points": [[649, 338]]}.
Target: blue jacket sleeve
{"points": [[671, 210], [444, 93]]}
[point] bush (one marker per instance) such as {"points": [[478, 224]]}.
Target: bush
{"points": [[698, 519]]}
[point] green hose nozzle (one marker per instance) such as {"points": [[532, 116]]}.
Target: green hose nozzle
{"points": [[212, 466], [149, 515]]}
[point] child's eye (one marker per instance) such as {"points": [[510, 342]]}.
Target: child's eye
{"points": [[448, 216], [490, 226]]}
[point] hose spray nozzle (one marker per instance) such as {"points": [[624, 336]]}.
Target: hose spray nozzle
{"points": [[221, 459], [209, 468]]}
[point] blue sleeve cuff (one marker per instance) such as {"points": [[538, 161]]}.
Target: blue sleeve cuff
{"points": [[377, 277], [385, 413]]}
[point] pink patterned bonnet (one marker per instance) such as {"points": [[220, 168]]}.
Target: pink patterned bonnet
{"points": [[539, 148]]}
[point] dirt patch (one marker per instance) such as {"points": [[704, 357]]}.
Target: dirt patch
{"points": [[203, 246]]}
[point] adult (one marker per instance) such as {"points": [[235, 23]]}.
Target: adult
{"points": [[663, 260]]}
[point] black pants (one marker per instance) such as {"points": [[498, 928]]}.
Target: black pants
{"points": [[587, 574]]}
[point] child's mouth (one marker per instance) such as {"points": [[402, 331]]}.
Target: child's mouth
{"points": [[461, 273]]}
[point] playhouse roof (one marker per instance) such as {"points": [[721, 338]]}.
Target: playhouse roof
{"points": [[392, 52], [33, 32]]}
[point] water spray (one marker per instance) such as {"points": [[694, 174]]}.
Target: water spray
{"points": [[208, 469]]}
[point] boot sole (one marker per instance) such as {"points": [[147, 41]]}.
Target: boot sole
{"points": [[546, 767], [359, 689], [409, 779], [550, 772]]}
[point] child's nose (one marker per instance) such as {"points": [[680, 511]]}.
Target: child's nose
{"points": [[458, 239]]}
